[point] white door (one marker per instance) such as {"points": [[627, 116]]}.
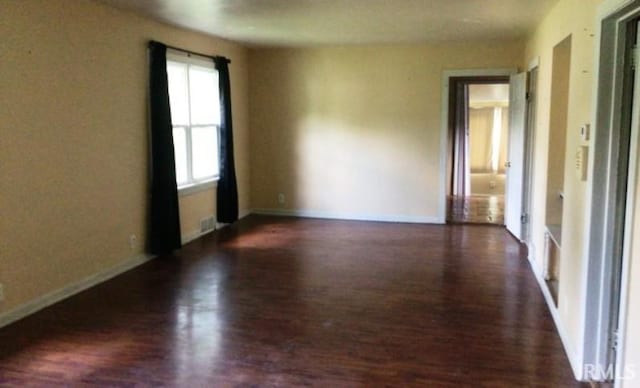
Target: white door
{"points": [[513, 209]]}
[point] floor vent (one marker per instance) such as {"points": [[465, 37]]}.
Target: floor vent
{"points": [[207, 224]]}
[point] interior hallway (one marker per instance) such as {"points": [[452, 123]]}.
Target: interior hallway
{"points": [[289, 302]]}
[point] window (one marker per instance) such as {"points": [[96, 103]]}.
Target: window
{"points": [[195, 115]]}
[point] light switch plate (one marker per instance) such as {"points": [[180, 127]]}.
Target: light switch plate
{"points": [[585, 132], [582, 158]]}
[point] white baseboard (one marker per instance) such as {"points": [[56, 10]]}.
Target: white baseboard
{"points": [[574, 360], [53, 297], [244, 213], [349, 216], [194, 235], [47, 300]]}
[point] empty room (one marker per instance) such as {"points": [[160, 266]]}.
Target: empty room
{"points": [[344, 193]]}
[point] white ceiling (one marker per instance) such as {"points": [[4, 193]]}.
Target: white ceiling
{"points": [[314, 22]]}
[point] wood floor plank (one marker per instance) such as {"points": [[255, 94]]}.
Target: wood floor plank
{"points": [[298, 302]]}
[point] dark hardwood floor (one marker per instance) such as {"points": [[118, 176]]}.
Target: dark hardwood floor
{"points": [[476, 209], [292, 302]]}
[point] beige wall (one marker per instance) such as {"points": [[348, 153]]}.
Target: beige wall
{"points": [[488, 183], [575, 18], [355, 130], [73, 146], [338, 130], [193, 208]]}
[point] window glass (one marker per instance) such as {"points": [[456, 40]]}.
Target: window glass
{"points": [[178, 93], [180, 150], [195, 115], [205, 159], [203, 84]]}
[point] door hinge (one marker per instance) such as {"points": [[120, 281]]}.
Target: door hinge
{"points": [[634, 57], [524, 218], [615, 340], [529, 96]]}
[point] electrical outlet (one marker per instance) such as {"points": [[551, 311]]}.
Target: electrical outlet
{"points": [[133, 241], [1, 292], [281, 199]]}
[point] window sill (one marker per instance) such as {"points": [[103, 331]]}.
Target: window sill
{"points": [[184, 191]]}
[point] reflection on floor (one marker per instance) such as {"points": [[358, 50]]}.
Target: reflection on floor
{"points": [[288, 302], [476, 209]]}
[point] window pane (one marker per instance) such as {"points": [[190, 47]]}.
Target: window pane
{"points": [[204, 152], [180, 148], [178, 93], [205, 104]]}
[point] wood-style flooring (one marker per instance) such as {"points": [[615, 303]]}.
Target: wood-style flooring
{"points": [[476, 209], [299, 302]]}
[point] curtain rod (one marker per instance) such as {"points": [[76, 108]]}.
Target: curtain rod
{"points": [[190, 52]]}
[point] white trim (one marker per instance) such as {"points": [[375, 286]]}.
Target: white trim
{"points": [[194, 188], [535, 62], [598, 309], [590, 276], [606, 9], [480, 72], [196, 234], [574, 360], [625, 276], [244, 213], [190, 58], [444, 125], [186, 62], [531, 256], [477, 104], [58, 295], [609, 7], [532, 107], [348, 216], [628, 240]]}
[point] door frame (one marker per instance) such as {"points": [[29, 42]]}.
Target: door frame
{"points": [[444, 128], [529, 149], [513, 217], [608, 262]]}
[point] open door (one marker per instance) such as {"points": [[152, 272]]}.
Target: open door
{"points": [[513, 211]]}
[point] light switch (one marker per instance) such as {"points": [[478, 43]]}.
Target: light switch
{"points": [[582, 156], [585, 132]]}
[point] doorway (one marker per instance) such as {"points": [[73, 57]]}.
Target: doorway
{"points": [[478, 142], [614, 205]]}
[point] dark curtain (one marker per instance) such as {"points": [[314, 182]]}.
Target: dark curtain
{"points": [[164, 228], [227, 194], [461, 168]]}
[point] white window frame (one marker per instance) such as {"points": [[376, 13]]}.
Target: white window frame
{"points": [[193, 185]]}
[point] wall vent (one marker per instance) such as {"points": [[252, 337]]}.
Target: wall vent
{"points": [[207, 224]]}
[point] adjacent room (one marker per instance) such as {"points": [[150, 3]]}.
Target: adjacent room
{"points": [[319, 193], [479, 153]]}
